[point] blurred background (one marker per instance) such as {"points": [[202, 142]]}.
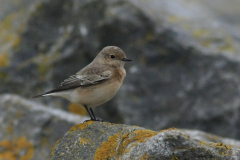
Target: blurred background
{"points": [[185, 71]]}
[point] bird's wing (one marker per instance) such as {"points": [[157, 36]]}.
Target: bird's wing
{"points": [[91, 76], [87, 79]]}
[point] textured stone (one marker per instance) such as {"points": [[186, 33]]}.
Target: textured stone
{"points": [[207, 137], [96, 140], [30, 130], [185, 72]]}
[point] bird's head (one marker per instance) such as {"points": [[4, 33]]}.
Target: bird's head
{"points": [[112, 55]]}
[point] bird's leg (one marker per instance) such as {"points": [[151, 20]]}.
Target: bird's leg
{"points": [[92, 113], [89, 113]]}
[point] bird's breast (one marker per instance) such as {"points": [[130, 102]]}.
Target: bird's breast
{"points": [[97, 94], [119, 74]]}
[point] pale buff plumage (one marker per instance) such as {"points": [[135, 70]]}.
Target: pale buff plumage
{"points": [[96, 83]]}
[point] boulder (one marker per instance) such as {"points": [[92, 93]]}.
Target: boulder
{"points": [[185, 69], [97, 140], [30, 130]]}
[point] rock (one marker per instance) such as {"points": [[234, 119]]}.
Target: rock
{"points": [[96, 140], [185, 72], [30, 130], [207, 137]]}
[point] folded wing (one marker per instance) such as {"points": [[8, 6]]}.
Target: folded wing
{"points": [[88, 77]]}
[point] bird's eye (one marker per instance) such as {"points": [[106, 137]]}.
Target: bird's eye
{"points": [[112, 56]]}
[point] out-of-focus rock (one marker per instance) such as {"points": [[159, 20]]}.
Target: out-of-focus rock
{"points": [[207, 137], [96, 140], [30, 130], [185, 72]]}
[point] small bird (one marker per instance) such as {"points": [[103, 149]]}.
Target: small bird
{"points": [[96, 83]]}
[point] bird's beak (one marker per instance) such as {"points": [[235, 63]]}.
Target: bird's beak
{"points": [[125, 59]]}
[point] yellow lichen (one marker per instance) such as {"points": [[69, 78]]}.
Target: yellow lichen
{"points": [[81, 126], [200, 33], [84, 141], [55, 147], [169, 129], [144, 157], [14, 150], [223, 148], [74, 108], [4, 60], [9, 35], [118, 144], [107, 149], [174, 157], [6, 24]]}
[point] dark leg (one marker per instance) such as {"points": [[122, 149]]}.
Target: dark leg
{"points": [[92, 113], [89, 113], [94, 116]]}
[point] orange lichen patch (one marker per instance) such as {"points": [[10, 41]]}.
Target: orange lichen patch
{"points": [[118, 144], [174, 157], [221, 145], [77, 109], [81, 126], [108, 149], [142, 135], [169, 129], [55, 147], [223, 148], [4, 60], [14, 150]]}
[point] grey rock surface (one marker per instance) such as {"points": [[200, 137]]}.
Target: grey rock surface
{"points": [[185, 72], [96, 140], [30, 130], [207, 137]]}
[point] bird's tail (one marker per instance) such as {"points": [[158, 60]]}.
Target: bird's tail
{"points": [[50, 93], [38, 96]]}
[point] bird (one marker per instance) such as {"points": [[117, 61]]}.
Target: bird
{"points": [[96, 83]]}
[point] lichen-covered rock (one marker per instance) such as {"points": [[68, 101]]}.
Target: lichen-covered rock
{"points": [[30, 130], [207, 137], [101, 140], [185, 69]]}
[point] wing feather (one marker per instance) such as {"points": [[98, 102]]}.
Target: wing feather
{"points": [[96, 76]]}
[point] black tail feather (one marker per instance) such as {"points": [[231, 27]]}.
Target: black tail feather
{"points": [[41, 95], [37, 96]]}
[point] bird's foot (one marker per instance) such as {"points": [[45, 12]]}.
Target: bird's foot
{"points": [[100, 120]]}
